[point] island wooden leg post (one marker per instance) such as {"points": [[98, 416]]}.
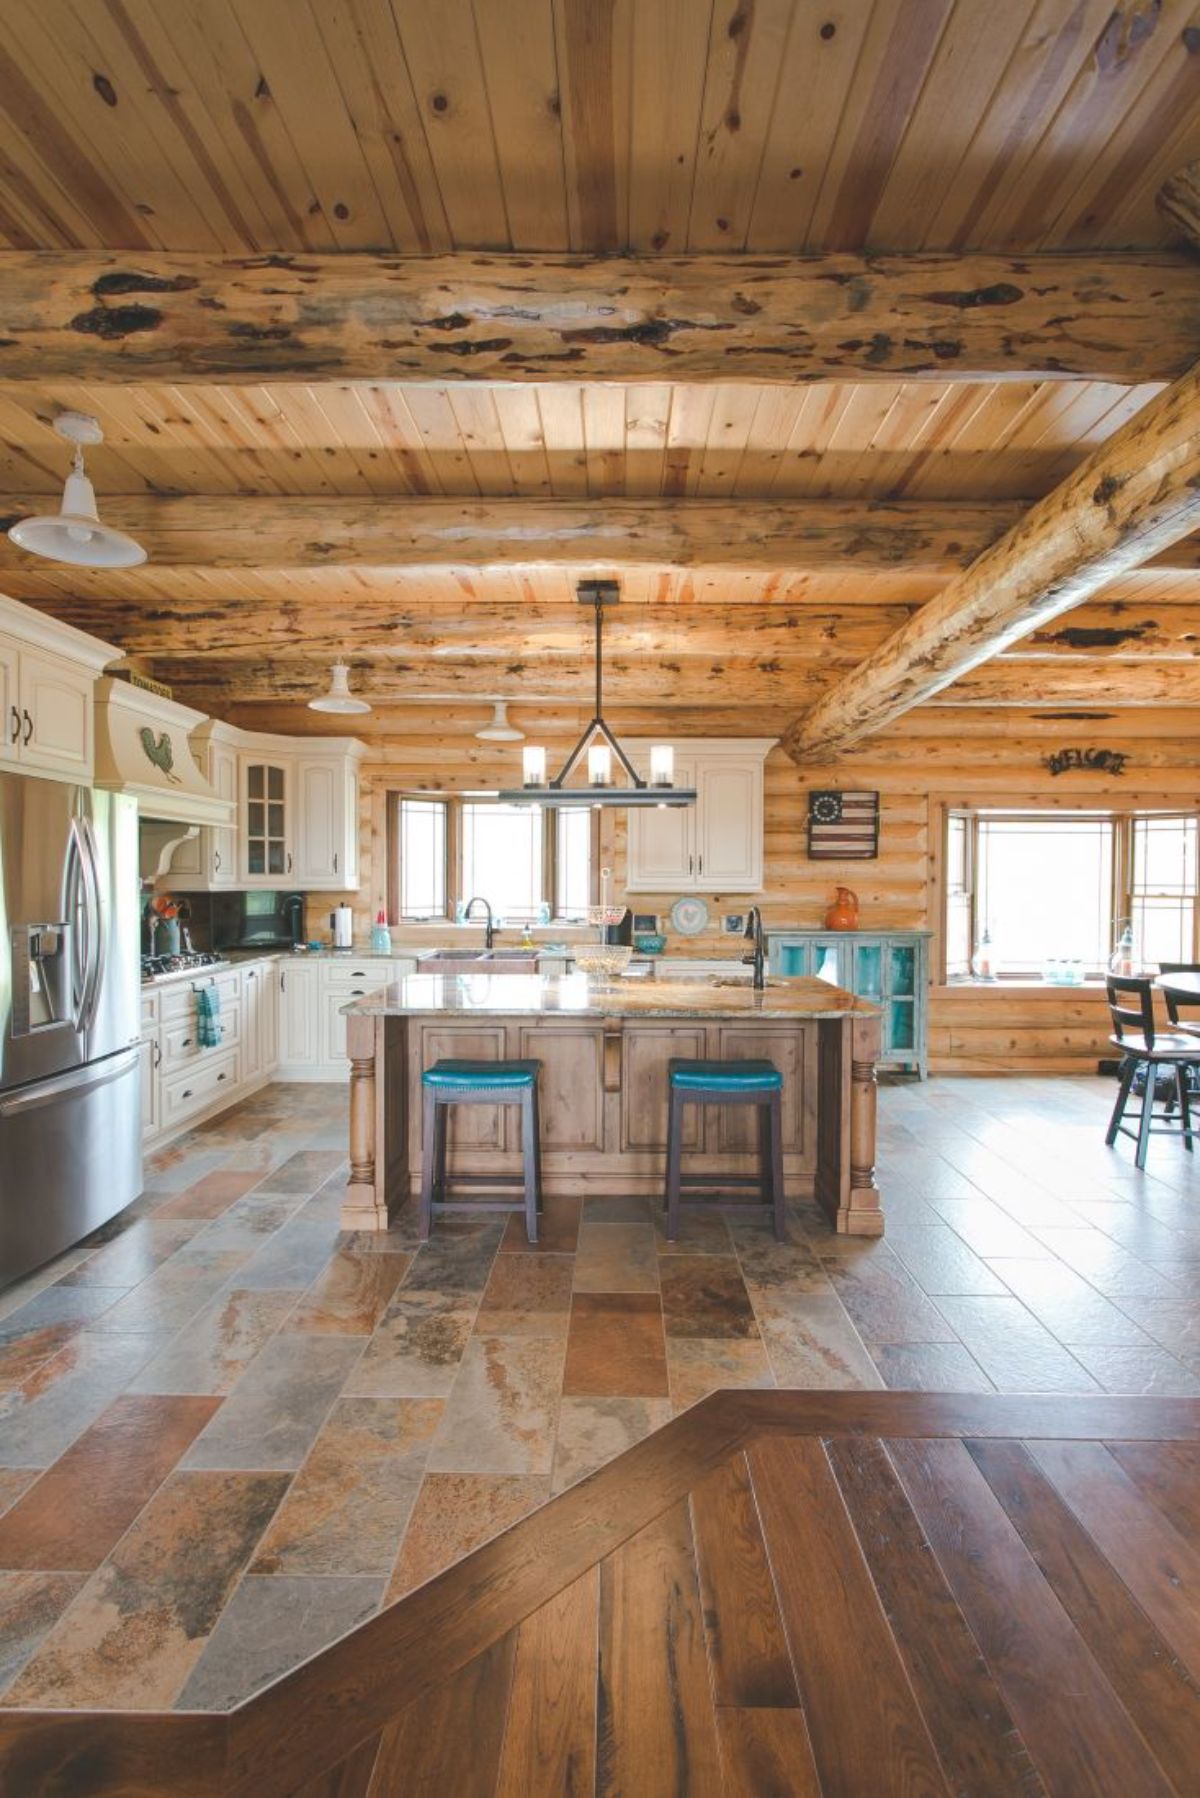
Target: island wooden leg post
{"points": [[864, 1216], [363, 1208]]}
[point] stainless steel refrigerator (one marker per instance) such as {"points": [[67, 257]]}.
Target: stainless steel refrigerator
{"points": [[70, 1076]]}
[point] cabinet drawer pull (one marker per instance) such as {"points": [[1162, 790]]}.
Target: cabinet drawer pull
{"points": [[157, 1055], [253, 974], [335, 856], [216, 861], [186, 1093], [186, 1043], [357, 991], [289, 862], [16, 725], [220, 1077], [28, 729]]}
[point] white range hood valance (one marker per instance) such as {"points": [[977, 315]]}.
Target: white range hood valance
{"points": [[142, 749]]}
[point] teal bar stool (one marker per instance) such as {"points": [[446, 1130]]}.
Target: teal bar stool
{"points": [[757, 1083], [449, 1083]]}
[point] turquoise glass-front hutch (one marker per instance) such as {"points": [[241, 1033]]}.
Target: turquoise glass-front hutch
{"points": [[891, 968]]}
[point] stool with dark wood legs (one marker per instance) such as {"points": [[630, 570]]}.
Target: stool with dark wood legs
{"points": [[449, 1083], [1142, 1044], [757, 1083]]}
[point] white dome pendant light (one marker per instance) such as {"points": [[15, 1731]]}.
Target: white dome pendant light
{"points": [[74, 533], [500, 730], [339, 697]]}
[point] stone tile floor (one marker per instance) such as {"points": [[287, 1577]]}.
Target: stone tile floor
{"points": [[228, 1432]]}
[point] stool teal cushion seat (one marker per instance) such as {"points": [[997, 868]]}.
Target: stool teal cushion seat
{"points": [[476, 1075], [726, 1076]]}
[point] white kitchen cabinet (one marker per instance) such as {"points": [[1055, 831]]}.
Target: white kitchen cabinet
{"points": [[662, 851], [260, 1014], [327, 822], [208, 861], [184, 1082], [295, 819], [56, 711], [223, 839], [48, 674], [265, 812], [10, 700], [268, 1019], [729, 825], [299, 1017], [715, 846], [312, 1028], [151, 1060]]}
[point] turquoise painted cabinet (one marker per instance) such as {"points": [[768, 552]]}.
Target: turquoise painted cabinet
{"points": [[891, 968]]}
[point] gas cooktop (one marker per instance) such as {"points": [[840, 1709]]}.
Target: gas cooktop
{"points": [[161, 967]]}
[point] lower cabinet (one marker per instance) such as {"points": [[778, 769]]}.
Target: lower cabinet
{"points": [[299, 1020], [184, 1080], [312, 1028]]}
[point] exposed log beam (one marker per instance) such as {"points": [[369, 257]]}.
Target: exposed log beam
{"points": [[244, 531], [745, 680], [1133, 496], [209, 531], [67, 315], [381, 631], [1179, 202]]}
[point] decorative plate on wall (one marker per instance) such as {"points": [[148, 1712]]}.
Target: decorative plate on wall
{"points": [[689, 916]]}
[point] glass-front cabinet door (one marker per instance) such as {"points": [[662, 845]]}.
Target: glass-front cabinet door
{"points": [[266, 821], [867, 979], [900, 999]]}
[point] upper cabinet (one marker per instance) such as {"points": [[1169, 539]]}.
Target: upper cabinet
{"points": [[296, 818], [48, 674], [268, 858], [715, 846], [327, 819]]}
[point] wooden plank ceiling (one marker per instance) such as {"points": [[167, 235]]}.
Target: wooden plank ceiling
{"points": [[258, 127]]}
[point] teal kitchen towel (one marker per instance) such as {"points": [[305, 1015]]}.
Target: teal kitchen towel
{"points": [[208, 1016]]}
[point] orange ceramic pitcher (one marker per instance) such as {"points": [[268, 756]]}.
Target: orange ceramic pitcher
{"points": [[843, 913]]}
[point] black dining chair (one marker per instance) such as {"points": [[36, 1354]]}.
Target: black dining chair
{"points": [[1142, 1044]]}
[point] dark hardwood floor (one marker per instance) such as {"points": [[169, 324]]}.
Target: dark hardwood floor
{"points": [[860, 1594]]}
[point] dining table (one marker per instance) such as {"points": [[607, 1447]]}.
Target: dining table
{"points": [[1183, 985]]}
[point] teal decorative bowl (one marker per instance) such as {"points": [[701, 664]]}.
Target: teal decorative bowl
{"points": [[649, 945]]}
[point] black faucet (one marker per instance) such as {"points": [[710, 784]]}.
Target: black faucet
{"points": [[758, 960], [489, 935]]}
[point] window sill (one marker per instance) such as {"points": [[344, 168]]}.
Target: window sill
{"points": [[1027, 988]]}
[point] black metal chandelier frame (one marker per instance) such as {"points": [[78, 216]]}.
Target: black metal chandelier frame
{"points": [[556, 792]]}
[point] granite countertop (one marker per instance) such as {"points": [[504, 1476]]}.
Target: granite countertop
{"points": [[575, 995]]}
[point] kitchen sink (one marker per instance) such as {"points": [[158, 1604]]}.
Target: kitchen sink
{"points": [[479, 961]]}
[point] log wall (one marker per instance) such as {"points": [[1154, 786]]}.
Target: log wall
{"points": [[932, 757]]}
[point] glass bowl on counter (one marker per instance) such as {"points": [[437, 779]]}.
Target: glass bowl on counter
{"points": [[602, 961]]}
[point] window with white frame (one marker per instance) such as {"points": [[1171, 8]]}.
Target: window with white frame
{"points": [[1058, 887]]}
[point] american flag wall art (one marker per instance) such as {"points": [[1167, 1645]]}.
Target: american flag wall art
{"points": [[843, 826]]}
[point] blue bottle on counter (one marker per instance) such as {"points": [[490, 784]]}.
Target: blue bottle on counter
{"points": [[381, 936]]}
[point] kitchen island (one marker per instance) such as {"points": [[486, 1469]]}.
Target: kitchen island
{"points": [[604, 1051]]}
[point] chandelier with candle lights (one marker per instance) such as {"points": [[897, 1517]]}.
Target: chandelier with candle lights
{"points": [[601, 747]]}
